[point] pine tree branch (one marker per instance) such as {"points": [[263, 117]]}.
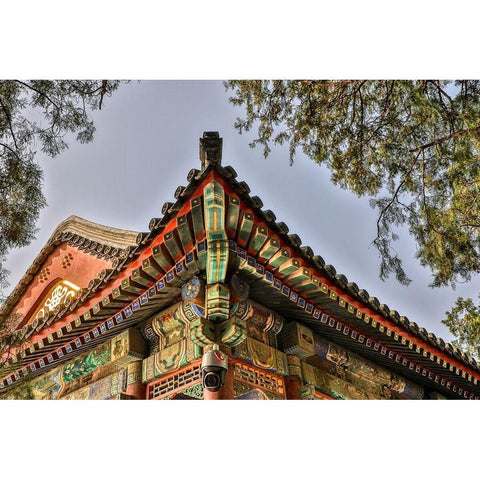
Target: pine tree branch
{"points": [[43, 94], [440, 89], [9, 118], [11, 149], [394, 198], [104, 91], [444, 139]]}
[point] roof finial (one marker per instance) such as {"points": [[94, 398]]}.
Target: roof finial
{"points": [[210, 149]]}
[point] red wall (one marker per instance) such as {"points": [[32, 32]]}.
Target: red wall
{"points": [[66, 263]]}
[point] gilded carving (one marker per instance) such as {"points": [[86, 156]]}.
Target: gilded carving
{"points": [[57, 296], [262, 355]]}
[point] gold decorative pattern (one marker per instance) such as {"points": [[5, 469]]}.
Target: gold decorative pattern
{"points": [[56, 297], [67, 260], [43, 275]]}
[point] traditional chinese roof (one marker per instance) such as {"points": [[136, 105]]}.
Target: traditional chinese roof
{"points": [[85, 236], [148, 269]]}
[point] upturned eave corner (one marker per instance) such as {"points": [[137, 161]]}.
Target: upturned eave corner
{"points": [[217, 273]]}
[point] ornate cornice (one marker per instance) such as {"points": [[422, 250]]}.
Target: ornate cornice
{"points": [[178, 246]]}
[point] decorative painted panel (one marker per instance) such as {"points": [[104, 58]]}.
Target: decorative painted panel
{"points": [[296, 339], [48, 386], [128, 347], [134, 373], [172, 325], [389, 382], [214, 205], [100, 356], [245, 391], [343, 363], [334, 386], [251, 375], [170, 359], [103, 360], [89, 378], [248, 318], [262, 356], [103, 389]]}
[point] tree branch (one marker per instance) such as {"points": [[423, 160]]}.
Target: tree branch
{"points": [[11, 149], [444, 139], [394, 197], [104, 91], [43, 94], [9, 118]]}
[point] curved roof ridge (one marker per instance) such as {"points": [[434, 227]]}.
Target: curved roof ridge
{"points": [[114, 237], [95, 232]]}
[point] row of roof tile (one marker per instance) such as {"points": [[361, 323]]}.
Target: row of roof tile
{"points": [[123, 256]]}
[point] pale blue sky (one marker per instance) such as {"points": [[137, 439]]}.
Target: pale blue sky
{"points": [[147, 141]]}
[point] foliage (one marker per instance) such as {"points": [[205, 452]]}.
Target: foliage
{"points": [[35, 114], [10, 339], [413, 146], [463, 321], [38, 113]]}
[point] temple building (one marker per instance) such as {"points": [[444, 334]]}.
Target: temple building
{"points": [[216, 301]]}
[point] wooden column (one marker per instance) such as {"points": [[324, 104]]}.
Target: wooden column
{"points": [[293, 382], [135, 388], [293, 387]]}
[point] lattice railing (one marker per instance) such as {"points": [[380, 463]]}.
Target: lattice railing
{"points": [[175, 382]]}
